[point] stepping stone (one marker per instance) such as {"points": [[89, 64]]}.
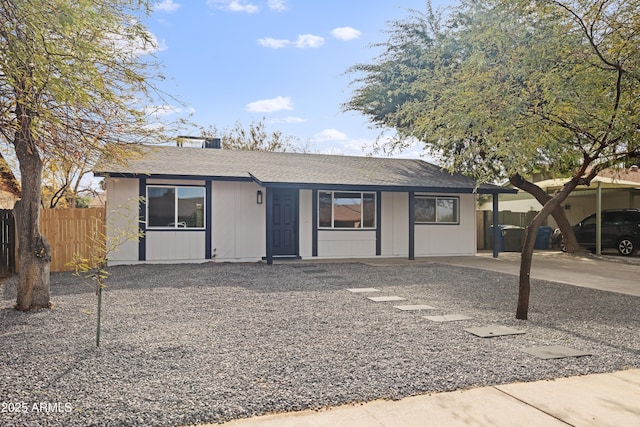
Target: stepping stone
{"points": [[554, 352], [414, 307], [448, 317], [493, 331], [361, 290], [386, 299]]}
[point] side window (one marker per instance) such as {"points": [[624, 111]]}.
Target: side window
{"points": [[613, 218], [589, 221], [436, 210], [632, 217]]}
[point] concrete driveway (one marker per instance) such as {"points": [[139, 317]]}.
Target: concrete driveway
{"points": [[609, 273]]}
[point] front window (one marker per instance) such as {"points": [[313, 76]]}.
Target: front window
{"points": [[436, 210], [175, 207], [346, 210]]}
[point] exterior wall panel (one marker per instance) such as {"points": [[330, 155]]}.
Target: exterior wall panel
{"points": [[346, 244], [177, 246], [305, 223], [395, 224], [122, 217], [444, 239], [239, 232]]}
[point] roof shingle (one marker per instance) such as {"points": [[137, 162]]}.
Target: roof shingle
{"points": [[306, 170]]}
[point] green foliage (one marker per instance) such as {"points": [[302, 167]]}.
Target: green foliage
{"points": [[83, 201], [254, 137], [502, 88], [82, 70]]}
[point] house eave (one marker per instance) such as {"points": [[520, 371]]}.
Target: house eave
{"points": [[315, 185]]}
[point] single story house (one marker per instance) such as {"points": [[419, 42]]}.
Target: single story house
{"points": [[199, 204]]}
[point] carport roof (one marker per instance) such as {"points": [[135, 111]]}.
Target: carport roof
{"points": [[604, 181], [293, 169]]}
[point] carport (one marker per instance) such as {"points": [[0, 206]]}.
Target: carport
{"points": [[601, 184]]}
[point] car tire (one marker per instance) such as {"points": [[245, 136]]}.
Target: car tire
{"points": [[626, 246]]}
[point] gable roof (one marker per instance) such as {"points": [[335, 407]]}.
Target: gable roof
{"points": [[276, 169]]}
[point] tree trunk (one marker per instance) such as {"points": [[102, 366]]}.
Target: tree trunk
{"points": [[524, 288], [559, 214], [34, 253]]}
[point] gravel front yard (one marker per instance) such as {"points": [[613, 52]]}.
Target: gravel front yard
{"points": [[186, 344]]}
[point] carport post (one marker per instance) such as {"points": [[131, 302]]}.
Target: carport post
{"points": [[599, 219], [412, 226], [269, 226], [495, 225]]}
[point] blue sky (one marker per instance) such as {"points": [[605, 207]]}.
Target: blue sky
{"points": [[281, 60]]}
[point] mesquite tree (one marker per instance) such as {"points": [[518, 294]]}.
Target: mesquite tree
{"points": [[75, 78], [501, 88]]}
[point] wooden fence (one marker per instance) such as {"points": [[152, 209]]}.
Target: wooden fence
{"points": [[70, 232]]}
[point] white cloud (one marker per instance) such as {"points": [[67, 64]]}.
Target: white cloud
{"points": [[161, 110], [270, 105], [302, 42], [309, 40], [277, 5], [234, 5], [345, 33], [289, 119], [274, 43], [166, 6], [329, 135]]}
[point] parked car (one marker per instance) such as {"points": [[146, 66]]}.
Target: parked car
{"points": [[620, 230]]}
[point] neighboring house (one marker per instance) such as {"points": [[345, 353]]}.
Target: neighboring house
{"points": [[618, 189], [99, 200], [9, 187], [224, 205]]}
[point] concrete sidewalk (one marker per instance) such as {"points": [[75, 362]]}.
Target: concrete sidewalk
{"points": [[591, 400]]}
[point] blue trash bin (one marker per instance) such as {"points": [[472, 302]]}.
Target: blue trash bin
{"points": [[543, 237]]}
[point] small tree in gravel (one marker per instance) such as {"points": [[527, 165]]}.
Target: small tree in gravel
{"points": [[93, 267]]}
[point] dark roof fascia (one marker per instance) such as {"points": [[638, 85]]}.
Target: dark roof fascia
{"points": [[349, 187], [168, 177], [496, 191], [309, 186]]}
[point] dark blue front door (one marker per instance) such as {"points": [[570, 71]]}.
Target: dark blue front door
{"points": [[284, 224]]}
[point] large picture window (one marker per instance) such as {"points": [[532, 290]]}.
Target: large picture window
{"points": [[175, 207], [346, 210], [436, 210]]}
